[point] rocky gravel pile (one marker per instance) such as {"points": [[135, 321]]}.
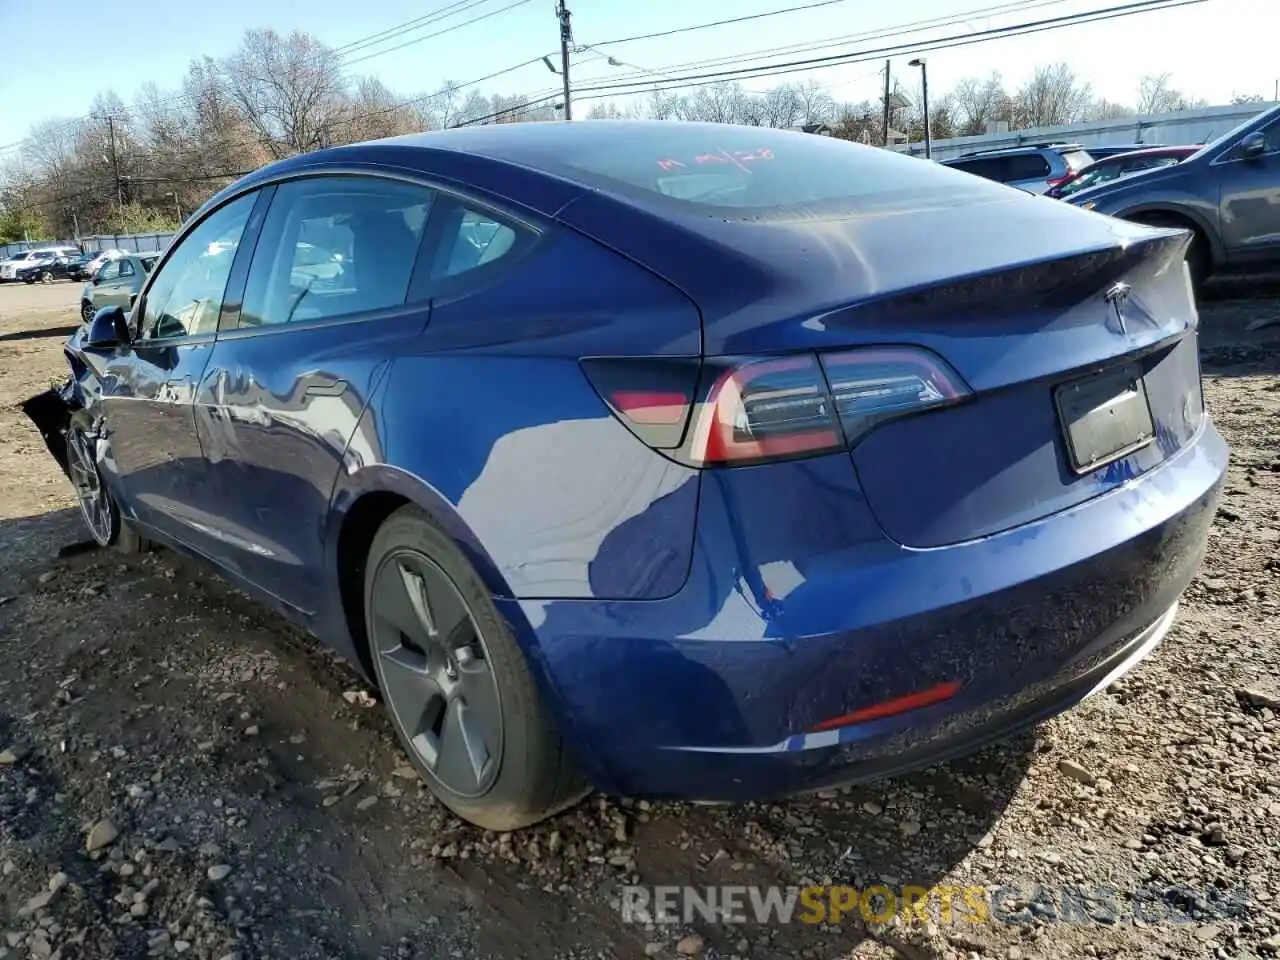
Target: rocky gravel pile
{"points": [[183, 775]]}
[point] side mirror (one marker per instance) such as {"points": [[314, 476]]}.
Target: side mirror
{"points": [[1253, 145], [109, 328]]}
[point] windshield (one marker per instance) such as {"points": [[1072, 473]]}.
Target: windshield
{"points": [[1105, 173]]}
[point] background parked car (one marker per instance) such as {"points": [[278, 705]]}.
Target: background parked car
{"points": [[1033, 168], [60, 268], [1227, 194], [1121, 165], [116, 284], [19, 261], [103, 256], [1115, 149]]}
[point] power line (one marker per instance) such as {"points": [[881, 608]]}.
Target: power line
{"points": [[722, 23], [408, 26], [956, 40], [766, 53], [439, 33]]}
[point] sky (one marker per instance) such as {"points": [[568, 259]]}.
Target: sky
{"points": [[1214, 49]]}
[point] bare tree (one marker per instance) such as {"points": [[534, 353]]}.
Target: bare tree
{"points": [[1105, 109], [289, 89], [816, 104], [977, 102], [1051, 97], [783, 106], [1156, 94]]}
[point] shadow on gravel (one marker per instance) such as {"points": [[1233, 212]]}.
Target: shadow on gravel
{"points": [[909, 831], [1240, 326], [40, 334]]}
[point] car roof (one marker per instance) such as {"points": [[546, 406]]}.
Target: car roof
{"points": [[1019, 151]]}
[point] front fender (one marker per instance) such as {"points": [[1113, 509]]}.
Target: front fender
{"points": [[1203, 215]]}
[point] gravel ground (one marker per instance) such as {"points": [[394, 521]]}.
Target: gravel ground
{"points": [[184, 774]]}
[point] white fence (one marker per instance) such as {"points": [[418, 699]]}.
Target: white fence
{"points": [[131, 242], [1171, 129]]}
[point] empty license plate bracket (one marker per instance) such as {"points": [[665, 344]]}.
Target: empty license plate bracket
{"points": [[1104, 416]]}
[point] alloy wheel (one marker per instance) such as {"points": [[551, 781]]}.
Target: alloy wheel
{"points": [[86, 312], [95, 502], [436, 674]]}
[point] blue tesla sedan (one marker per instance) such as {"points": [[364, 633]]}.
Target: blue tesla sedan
{"points": [[671, 459]]}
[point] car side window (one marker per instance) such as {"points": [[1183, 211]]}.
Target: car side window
{"points": [[477, 240], [1027, 167], [336, 246], [126, 268], [185, 297], [109, 271]]}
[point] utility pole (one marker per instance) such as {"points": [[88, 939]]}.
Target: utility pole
{"points": [[924, 94], [886, 103], [566, 38], [115, 158]]}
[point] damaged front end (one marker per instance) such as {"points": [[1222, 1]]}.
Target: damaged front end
{"points": [[51, 412]]}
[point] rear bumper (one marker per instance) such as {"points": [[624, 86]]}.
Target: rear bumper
{"points": [[710, 694]]}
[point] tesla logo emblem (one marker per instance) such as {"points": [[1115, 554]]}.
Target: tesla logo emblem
{"points": [[1118, 297]]}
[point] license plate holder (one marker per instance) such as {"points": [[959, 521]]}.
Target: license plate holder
{"points": [[1104, 416]]}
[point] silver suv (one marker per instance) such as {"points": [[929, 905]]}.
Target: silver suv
{"points": [[1035, 168]]}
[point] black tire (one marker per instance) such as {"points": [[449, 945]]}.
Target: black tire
{"points": [[86, 312], [532, 777], [105, 524]]}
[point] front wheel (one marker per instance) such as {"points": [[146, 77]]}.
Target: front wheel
{"points": [[46, 277], [86, 312], [97, 506], [461, 698]]}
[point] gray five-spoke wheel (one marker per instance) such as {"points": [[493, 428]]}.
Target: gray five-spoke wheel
{"points": [[95, 502], [436, 673]]}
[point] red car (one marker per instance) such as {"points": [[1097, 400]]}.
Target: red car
{"points": [[1120, 165]]}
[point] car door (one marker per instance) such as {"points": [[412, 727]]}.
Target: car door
{"points": [[325, 306], [148, 387], [1250, 200], [108, 286]]}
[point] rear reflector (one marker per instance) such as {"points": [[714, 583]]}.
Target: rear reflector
{"points": [[741, 410], [891, 708]]}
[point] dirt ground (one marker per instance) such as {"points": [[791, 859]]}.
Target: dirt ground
{"points": [[244, 802]]}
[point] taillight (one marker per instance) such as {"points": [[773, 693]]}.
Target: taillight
{"points": [[763, 410], [1064, 179], [875, 384], [757, 409]]}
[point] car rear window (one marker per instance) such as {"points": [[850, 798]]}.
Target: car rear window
{"points": [[703, 168], [1077, 159]]}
